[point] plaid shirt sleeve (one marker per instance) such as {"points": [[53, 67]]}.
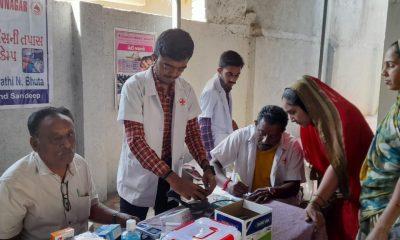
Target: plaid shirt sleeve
{"points": [[146, 156], [194, 143], [206, 135]]}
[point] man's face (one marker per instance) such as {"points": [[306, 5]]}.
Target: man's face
{"points": [[268, 135], [229, 75], [296, 114], [168, 70], [145, 64], [55, 141], [391, 69]]}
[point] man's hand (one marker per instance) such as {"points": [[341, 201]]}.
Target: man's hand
{"points": [[123, 217], [261, 195], [209, 181], [237, 189], [185, 188], [313, 213]]}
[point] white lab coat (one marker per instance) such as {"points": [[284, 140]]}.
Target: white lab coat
{"points": [[241, 147], [140, 103], [214, 105]]}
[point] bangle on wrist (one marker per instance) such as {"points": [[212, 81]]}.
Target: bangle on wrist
{"points": [[315, 205], [225, 186], [209, 167], [269, 191], [167, 174], [203, 162], [324, 202]]}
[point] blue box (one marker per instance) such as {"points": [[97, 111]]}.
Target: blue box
{"points": [[109, 232], [253, 220]]}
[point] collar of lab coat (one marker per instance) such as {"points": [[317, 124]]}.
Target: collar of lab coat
{"points": [[150, 85]]}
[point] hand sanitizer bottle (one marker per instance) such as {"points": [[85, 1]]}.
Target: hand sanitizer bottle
{"points": [[130, 233]]}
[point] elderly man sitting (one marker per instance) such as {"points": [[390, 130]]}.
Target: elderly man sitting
{"points": [[51, 188]]}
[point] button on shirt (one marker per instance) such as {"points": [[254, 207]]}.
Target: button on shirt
{"points": [[31, 201]]}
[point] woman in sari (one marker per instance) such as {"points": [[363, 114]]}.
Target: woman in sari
{"points": [[380, 192], [335, 139]]}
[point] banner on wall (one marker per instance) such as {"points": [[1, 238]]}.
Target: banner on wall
{"points": [[24, 80], [132, 54]]}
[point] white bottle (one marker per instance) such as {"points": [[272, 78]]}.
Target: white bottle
{"points": [[130, 233]]}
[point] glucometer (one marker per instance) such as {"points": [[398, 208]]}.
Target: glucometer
{"points": [[148, 232]]}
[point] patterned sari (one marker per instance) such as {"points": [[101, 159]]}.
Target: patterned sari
{"points": [[381, 169], [339, 136]]}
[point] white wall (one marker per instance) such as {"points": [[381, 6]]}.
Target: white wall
{"points": [[354, 50], [288, 48]]}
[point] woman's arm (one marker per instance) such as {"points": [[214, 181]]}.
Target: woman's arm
{"points": [[388, 217], [328, 186]]}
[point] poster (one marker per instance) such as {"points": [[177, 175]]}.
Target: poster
{"points": [[133, 52], [24, 80]]}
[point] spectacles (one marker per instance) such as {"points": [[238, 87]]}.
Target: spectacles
{"points": [[65, 196]]}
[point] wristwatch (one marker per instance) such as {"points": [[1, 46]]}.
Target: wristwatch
{"points": [[114, 218], [209, 167]]}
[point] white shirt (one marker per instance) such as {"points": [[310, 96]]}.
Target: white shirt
{"points": [[241, 147], [214, 105], [31, 201], [140, 103]]}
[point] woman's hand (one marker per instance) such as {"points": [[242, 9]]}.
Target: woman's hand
{"points": [[313, 213], [378, 233]]}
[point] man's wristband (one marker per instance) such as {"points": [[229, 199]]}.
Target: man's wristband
{"points": [[209, 167], [203, 162], [225, 186], [167, 174], [114, 218]]}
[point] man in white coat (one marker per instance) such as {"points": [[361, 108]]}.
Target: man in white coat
{"points": [[216, 121], [268, 160], [159, 111]]}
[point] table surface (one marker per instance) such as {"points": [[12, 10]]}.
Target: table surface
{"points": [[287, 221]]}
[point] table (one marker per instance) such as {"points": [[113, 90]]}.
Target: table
{"points": [[287, 223]]}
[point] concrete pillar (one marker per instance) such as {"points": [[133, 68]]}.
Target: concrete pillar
{"points": [[90, 44]]}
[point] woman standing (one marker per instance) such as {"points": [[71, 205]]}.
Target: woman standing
{"points": [[380, 193], [335, 139]]}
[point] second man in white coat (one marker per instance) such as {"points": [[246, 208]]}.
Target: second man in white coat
{"points": [[216, 121]]}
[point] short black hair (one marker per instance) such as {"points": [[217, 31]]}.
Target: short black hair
{"points": [[273, 115], [175, 44], [293, 99], [144, 58], [396, 47], [230, 58], [36, 118]]}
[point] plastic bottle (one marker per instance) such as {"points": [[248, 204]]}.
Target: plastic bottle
{"points": [[130, 233]]}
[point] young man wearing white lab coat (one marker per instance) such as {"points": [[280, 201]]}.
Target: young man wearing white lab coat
{"points": [[159, 111], [268, 160], [215, 120]]}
